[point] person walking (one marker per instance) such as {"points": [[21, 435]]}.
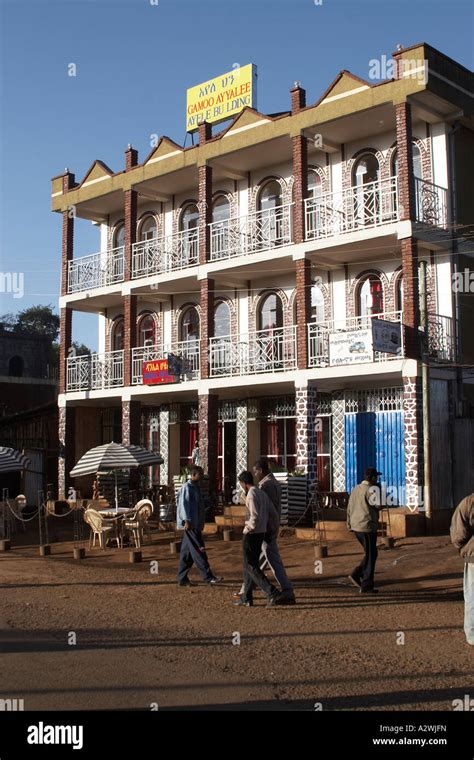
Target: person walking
{"points": [[362, 519], [261, 517], [462, 537], [190, 517]]}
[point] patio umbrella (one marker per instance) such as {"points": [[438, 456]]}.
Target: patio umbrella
{"points": [[114, 456], [12, 460]]}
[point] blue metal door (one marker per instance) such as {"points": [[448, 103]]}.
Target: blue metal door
{"points": [[375, 439]]}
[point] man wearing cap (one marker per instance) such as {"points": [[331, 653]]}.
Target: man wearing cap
{"points": [[362, 519]]}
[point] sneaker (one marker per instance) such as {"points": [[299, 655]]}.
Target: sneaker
{"points": [[185, 582], [354, 581], [369, 591], [214, 581], [241, 603]]}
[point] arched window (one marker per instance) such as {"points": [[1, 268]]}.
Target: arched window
{"points": [[148, 229], [417, 170], [317, 304], [189, 326], [370, 296], [119, 236], [271, 196], [315, 184], [221, 209], [367, 196], [189, 219], [15, 366], [118, 332], [270, 313], [222, 320], [366, 170], [146, 331], [399, 293]]}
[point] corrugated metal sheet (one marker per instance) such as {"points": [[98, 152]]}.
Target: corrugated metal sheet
{"points": [[375, 439]]}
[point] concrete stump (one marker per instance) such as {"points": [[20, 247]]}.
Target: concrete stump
{"points": [[175, 547], [320, 552], [45, 550], [5, 545], [79, 553], [134, 556], [228, 535]]}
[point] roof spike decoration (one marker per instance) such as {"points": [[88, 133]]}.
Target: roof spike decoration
{"points": [[97, 170], [163, 147]]}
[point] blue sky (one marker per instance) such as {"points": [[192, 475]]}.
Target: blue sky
{"points": [[134, 63]]}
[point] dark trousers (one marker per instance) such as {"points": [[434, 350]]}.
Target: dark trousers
{"points": [[252, 547], [190, 554], [364, 573]]}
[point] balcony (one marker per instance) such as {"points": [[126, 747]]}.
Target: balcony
{"points": [[260, 231], [96, 270], [186, 351], [319, 332], [431, 203], [441, 338], [95, 372], [356, 208], [166, 254], [272, 350]]}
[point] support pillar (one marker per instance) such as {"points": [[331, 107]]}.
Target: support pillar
{"points": [[413, 431], [66, 458], [164, 446], [68, 234], [65, 342], [300, 178], [205, 212], [306, 442], [207, 324], [242, 462], [411, 301], [130, 301], [130, 335], [131, 422], [208, 421], [303, 310]]}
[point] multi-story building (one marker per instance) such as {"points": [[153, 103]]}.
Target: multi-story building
{"points": [[259, 257]]}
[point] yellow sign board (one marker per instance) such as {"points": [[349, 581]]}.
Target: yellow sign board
{"points": [[222, 97]]}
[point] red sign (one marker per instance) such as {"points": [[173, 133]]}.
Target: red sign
{"points": [[158, 372]]}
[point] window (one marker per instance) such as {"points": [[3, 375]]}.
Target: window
{"points": [[146, 331], [118, 332], [278, 442], [270, 313], [119, 236], [323, 457], [370, 296], [148, 229], [189, 218], [271, 196], [189, 328], [15, 366], [221, 209], [315, 185], [366, 170], [317, 304], [222, 320]]}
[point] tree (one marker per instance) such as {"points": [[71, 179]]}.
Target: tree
{"points": [[39, 319]]}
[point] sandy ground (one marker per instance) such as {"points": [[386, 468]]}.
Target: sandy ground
{"points": [[142, 640]]}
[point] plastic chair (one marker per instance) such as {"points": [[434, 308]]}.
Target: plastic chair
{"points": [[100, 527], [137, 522]]}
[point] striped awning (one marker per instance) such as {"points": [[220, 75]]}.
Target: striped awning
{"points": [[114, 456], [12, 460]]}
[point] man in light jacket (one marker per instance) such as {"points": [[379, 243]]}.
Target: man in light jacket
{"points": [[362, 519], [462, 536], [190, 517], [261, 517]]}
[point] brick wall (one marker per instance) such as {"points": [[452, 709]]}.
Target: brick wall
{"points": [[205, 212], [303, 310], [411, 302], [67, 234], [208, 406], [130, 335], [207, 324], [300, 184]]}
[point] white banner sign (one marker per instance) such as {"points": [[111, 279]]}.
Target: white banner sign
{"points": [[354, 347], [387, 336]]}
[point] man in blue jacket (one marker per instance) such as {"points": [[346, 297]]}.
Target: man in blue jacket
{"points": [[190, 517]]}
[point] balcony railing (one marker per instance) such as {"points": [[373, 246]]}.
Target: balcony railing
{"points": [[166, 254], [318, 336], [186, 351], [96, 270], [95, 372], [441, 338], [431, 203], [270, 228], [370, 205], [272, 350]]}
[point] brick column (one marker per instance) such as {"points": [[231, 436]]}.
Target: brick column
{"points": [[131, 419], [298, 98], [303, 310], [207, 325], [68, 234], [208, 421], [300, 178], [413, 431], [205, 212], [66, 455], [406, 179], [65, 342], [306, 443], [411, 299], [130, 335], [204, 132]]}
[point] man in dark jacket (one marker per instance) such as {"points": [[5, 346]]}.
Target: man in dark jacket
{"points": [[462, 536], [362, 519], [190, 517]]}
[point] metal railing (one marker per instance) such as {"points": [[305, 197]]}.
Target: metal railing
{"points": [[166, 254], [318, 336], [272, 350], [259, 231], [335, 213], [186, 351], [95, 372], [96, 270], [431, 203], [441, 338]]}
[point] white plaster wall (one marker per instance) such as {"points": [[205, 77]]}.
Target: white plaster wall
{"points": [[338, 294], [440, 154], [444, 286]]}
